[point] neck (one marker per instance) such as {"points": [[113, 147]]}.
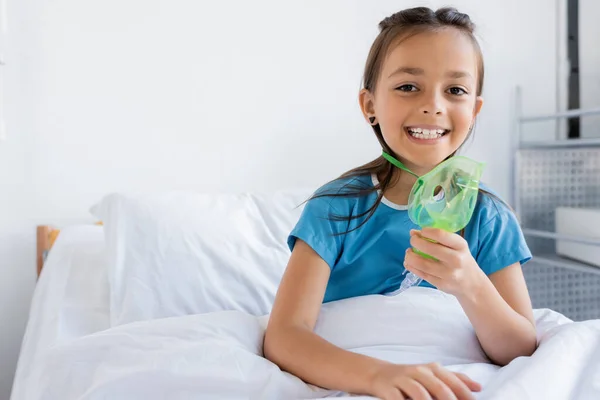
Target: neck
{"points": [[402, 182], [399, 189], [404, 176]]}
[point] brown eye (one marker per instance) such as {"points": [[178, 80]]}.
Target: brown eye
{"points": [[406, 88], [457, 91]]}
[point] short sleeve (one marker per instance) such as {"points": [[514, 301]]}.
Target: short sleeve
{"points": [[320, 229], [501, 241]]}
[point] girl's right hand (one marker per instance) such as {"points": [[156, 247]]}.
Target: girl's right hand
{"points": [[421, 382]]}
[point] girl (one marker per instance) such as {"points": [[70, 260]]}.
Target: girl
{"points": [[422, 92]]}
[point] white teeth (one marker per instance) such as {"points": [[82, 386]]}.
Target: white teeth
{"points": [[421, 133]]}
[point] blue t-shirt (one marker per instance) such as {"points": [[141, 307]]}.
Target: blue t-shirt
{"points": [[369, 260]]}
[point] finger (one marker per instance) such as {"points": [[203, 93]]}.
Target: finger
{"points": [[398, 395], [471, 384], [458, 386], [430, 267], [413, 390], [435, 281], [435, 385], [436, 250], [392, 394], [448, 239]]}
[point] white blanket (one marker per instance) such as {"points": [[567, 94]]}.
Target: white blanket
{"points": [[219, 355]]}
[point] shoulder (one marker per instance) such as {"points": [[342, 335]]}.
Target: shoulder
{"points": [[496, 238], [491, 207], [342, 193], [346, 185], [327, 216], [337, 203]]}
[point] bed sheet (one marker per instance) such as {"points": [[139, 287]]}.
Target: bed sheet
{"points": [[70, 299], [219, 354], [70, 350]]}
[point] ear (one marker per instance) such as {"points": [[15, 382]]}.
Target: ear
{"points": [[478, 105], [367, 106]]}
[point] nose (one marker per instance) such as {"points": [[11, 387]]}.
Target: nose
{"points": [[432, 104]]}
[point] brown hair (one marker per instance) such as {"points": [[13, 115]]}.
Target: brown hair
{"points": [[397, 27]]}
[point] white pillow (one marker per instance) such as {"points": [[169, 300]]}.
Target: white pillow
{"points": [[180, 253]]}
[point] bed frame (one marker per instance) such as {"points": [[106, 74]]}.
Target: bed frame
{"points": [[46, 236]]}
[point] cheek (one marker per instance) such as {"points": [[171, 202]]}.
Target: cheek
{"points": [[462, 117], [394, 116], [391, 118], [392, 108]]}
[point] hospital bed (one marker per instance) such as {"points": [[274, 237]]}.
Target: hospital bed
{"points": [[169, 297]]}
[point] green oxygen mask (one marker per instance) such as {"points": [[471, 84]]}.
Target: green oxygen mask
{"points": [[446, 196]]}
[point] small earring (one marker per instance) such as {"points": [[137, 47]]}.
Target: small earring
{"points": [[372, 120]]}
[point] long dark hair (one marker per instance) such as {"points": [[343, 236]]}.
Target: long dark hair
{"points": [[397, 27]]}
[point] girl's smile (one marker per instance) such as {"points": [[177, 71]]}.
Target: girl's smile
{"points": [[426, 134]]}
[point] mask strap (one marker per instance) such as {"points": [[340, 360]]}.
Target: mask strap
{"points": [[398, 164]]}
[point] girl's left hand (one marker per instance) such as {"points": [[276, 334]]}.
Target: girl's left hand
{"points": [[455, 272]]}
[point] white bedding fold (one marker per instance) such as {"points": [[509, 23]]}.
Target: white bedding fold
{"points": [[219, 355]]}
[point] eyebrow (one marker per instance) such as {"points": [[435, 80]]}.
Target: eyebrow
{"points": [[420, 71], [407, 70], [459, 74]]}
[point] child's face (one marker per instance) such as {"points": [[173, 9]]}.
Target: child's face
{"points": [[425, 99]]}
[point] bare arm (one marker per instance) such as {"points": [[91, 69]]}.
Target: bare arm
{"points": [[501, 313], [289, 338], [291, 343], [498, 306]]}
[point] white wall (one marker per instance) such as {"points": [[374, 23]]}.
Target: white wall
{"points": [[149, 95], [589, 64]]}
